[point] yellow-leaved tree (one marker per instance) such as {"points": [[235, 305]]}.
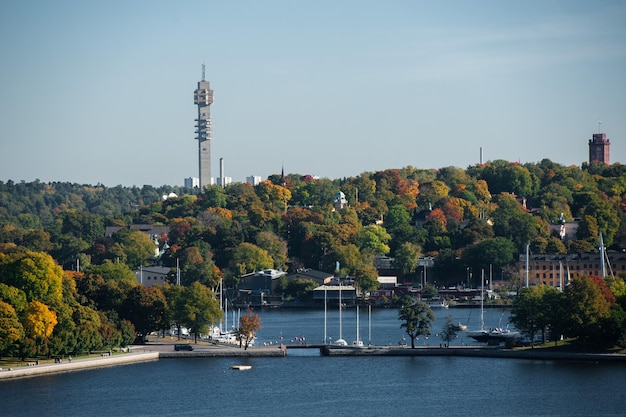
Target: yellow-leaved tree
{"points": [[39, 322]]}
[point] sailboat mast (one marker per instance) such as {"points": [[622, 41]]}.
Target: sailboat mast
{"points": [[603, 266], [340, 324], [482, 297], [357, 324], [369, 336], [325, 308], [527, 260]]}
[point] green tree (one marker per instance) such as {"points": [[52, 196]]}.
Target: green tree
{"points": [[374, 239], [136, 245], [35, 273], [407, 257], [417, 318], [275, 247], [449, 331], [202, 309], [145, 308], [300, 288], [248, 257], [587, 309], [366, 277], [531, 310]]}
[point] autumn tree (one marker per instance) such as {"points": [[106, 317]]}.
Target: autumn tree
{"points": [[39, 322], [11, 330], [249, 324], [417, 318]]}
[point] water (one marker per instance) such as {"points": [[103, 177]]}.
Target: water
{"points": [[314, 385], [385, 327]]}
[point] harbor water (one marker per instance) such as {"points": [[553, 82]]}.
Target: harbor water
{"points": [[312, 385]]}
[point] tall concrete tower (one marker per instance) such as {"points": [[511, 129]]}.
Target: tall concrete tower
{"points": [[203, 98], [599, 149]]}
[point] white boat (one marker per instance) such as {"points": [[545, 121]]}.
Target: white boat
{"points": [[437, 304], [358, 342], [241, 367], [340, 341], [494, 335]]}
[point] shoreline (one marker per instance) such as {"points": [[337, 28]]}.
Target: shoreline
{"points": [[163, 351]]}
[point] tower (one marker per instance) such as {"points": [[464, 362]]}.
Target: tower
{"points": [[203, 98], [599, 149]]}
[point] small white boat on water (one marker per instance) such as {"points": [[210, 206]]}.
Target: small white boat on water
{"points": [[241, 367]]}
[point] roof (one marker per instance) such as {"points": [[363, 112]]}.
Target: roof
{"points": [[310, 273]]}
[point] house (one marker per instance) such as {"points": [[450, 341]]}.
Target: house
{"points": [[152, 275], [332, 294], [319, 277], [260, 288]]}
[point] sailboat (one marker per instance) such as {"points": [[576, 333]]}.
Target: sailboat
{"points": [[494, 335], [358, 342], [341, 341]]}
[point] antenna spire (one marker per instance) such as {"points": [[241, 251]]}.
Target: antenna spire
{"points": [[203, 67], [599, 126]]}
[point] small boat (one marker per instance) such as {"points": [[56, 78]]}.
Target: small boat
{"points": [[437, 304], [241, 367]]}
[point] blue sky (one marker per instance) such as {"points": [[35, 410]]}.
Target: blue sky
{"points": [[102, 92]]}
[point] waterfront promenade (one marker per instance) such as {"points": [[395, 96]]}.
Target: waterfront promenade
{"points": [[163, 349]]}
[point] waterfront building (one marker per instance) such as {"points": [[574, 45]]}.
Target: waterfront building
{"points": [[260, 288], [599, 149], [554, 269], [203, 98]]}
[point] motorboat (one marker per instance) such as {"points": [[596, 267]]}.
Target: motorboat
{"points": [[241, 367]]}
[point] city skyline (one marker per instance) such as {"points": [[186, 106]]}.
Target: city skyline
{"points": [[101, 93]]}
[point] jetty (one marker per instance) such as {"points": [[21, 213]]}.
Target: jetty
{"points": [[145, 353]]}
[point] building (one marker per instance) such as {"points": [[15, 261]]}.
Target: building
{"points": [[319, 277], [599, 149], [554, 269], [203, 98], [152, 275], [254, 180], [260, 288], [225, 182], [192, 182]]}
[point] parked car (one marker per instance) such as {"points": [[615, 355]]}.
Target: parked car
{"points": [[182, 346]]}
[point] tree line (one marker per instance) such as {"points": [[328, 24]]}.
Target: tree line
{"points": [[475, 218]]}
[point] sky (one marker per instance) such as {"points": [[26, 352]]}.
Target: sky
{"points": [[102, 92]]}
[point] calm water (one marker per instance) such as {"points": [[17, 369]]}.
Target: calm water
{"points": [[314, 386]]}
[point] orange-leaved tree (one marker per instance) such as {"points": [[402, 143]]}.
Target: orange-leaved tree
{"points": [[249, 324]]}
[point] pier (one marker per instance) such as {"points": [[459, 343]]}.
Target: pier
{"points": [[165, 351]]}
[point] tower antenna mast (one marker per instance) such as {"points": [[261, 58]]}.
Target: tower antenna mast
{"points": [[203, 71]]}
